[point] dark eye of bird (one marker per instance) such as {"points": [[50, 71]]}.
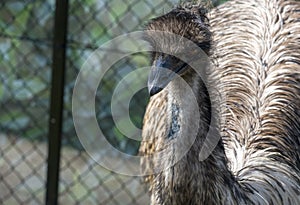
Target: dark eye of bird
{"points": [[175, 60]]}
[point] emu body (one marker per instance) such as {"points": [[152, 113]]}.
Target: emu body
{"points": [[255, 48]]}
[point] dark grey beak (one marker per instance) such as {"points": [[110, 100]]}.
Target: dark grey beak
{"points": [[163, 71]]}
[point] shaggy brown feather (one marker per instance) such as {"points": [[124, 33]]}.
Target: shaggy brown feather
{"points": [[256, 52]]}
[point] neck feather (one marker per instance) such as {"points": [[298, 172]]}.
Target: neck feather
{"points": [[186, 178]]}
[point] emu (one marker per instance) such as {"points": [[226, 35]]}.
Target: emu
{"points": [[255, 49]]}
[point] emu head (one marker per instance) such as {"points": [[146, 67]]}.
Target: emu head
{"points": [[187, 21]]}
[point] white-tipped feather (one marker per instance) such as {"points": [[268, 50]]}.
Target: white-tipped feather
{"points": [[255, 46]]}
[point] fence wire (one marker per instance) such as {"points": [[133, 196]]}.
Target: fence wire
{"points": [[26, 33]]}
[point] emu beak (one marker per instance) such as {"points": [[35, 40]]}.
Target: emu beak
{"points": [[163, 71]]}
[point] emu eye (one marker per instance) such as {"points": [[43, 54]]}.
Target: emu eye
{"points": [[175, 60]]}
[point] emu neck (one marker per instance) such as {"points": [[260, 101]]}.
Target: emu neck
{"points": [[184, 102], [186, 179], [188, 109]]}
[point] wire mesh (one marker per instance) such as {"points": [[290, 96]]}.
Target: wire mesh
{"points": [[25, 53], [26, 33]]}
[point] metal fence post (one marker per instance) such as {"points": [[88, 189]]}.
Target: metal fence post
{"points": [[56, 106]]}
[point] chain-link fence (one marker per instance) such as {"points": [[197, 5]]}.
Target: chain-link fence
{"points": [[26, 43]]}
